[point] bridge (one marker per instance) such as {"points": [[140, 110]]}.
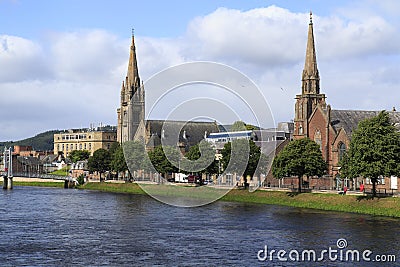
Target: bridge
{"points": [[69, 182], [8, 173]]}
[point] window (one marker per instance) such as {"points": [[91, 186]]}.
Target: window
{"points": [[80, 146], [300, 129], [84, 146], [90, 146], [342, 150], [301, 111], [108, 145], [318, 138]]}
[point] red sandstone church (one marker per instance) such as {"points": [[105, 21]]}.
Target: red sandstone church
{"points": [[330, 128]]}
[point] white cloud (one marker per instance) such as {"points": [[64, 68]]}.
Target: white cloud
{"points": [[20, 59], [86, 55], [264, 36]]}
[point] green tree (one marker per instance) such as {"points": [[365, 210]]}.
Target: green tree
{"points": [[201, 159], [250, 127], [299, 158], [100, 161], [241, 126], [134, 153], [162, 163], [114, 146], [245, 156], [118, 162], [78, 155], [374, 150], [238, 126]]}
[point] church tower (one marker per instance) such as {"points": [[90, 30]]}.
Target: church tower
{"points": [[131, 111], [310, 95]]}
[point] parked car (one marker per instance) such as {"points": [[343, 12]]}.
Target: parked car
{"points": [[194, 179]]}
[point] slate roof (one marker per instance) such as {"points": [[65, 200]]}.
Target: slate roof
{"points": [[50, 158], [32, 161], [349, 119], [174, 131]]}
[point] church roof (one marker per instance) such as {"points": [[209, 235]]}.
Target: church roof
{"points": [[349, 119], [172, 132]]}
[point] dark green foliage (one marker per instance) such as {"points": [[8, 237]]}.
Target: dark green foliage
{"points": [[81, 179], [241, 126], [374, 150], [134, 153], [299, 158], [200, 159], [43, 141], [78, 155], [100, 161], [243, 157], [238, 126], [118, 163], [165, 159]]}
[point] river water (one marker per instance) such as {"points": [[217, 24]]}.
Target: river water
{"points": [[58, 227]]}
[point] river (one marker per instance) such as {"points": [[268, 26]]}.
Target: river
{"points": [[58, 227]]}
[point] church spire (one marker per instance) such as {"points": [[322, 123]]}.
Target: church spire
{"points": [[310, 77], [133, 80]]}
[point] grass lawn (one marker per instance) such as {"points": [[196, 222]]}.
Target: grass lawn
{"points": [[42, 184], [63, 172]]}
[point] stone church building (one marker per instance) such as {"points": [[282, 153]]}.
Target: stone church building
{"points": [[131, 117], [330, 128]]}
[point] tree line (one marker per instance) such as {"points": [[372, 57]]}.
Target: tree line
{"points": [[239, 156], [374, 152]]}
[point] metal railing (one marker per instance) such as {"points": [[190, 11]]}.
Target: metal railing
{"points": [[41, 176]]}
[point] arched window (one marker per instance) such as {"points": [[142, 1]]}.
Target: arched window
{"points": [[300, 111], [342, 150], [318, 138], [300, 129]]}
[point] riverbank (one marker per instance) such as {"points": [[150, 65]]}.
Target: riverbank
{"points": [[23, 181], [332, 202]]}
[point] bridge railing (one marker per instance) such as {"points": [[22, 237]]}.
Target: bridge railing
{"points": [[41, 176]]}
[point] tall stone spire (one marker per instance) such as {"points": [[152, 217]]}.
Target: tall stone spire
{"points": [[310, 97], [310, 77], [133, 80], [131, 112]]}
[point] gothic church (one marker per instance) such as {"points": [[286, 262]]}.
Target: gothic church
{"points": [[131, 117], [330, 128]]}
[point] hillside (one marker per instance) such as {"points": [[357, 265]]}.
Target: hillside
{"points": [[42, 141]]}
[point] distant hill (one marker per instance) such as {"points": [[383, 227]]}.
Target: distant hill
{"points": [[42, 141]]}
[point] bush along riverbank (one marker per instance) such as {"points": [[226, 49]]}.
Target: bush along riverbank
{"points": [[389, 206]]}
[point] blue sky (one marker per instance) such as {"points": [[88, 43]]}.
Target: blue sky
{"points": [[57, 57], [151, 18]]}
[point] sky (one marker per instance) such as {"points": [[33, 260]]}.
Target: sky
{"points": [[62, 62]]}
